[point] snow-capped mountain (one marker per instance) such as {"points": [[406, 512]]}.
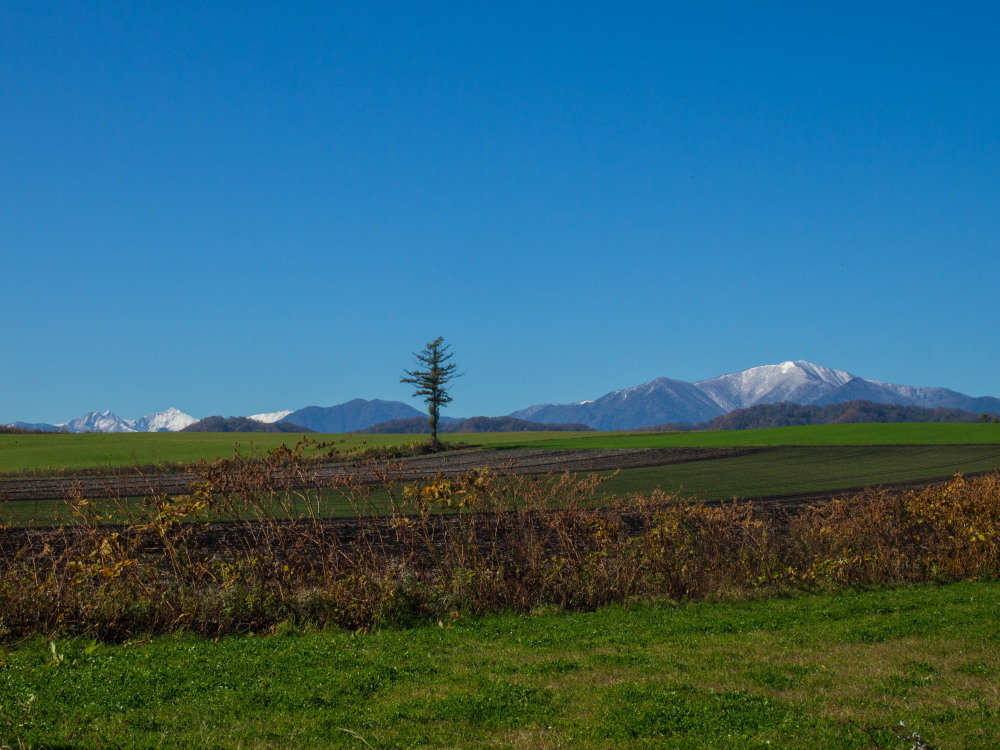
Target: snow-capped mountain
{"points": [[805, 383], [347, 417], [100, 421], [271, 417], [799, 382], [662, 401], [170, 420], [639, 406]]}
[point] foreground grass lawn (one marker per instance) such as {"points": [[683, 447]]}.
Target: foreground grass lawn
{"points": [[778, 673]]}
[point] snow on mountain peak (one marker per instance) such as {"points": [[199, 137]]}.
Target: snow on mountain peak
{"points": [[171, 420], [799, 381], [271, 417], [662, 400], [95, 421]]}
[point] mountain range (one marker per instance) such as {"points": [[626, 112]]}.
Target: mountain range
{"points": [[170, 420], [665, 401], [660, 401], [348, 417]]}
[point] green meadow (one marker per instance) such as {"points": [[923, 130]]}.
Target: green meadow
{"points": [[790, 470], [58, 452], [833, 434], [805, 671]]}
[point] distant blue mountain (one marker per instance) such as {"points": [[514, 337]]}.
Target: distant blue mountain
{"points": [[351, 416]]}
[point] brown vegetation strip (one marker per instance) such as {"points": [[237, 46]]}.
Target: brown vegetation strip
{"points": [[220, 536], [782, 505], [505, 544]]}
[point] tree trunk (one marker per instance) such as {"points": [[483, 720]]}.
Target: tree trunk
{"points": [[434, 428]]}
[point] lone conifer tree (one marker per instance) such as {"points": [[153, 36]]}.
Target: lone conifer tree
{"points": [[431, 382]]}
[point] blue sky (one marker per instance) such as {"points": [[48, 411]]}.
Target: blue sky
{"points": [[241, 207]]}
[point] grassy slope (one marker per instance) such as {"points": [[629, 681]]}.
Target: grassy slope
{"points": [[779, 673]]}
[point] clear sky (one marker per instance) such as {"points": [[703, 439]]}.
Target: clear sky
{"points": [[247, 206]]}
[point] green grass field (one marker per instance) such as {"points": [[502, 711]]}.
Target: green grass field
{"points": [[56, 452], [799, 672], [834, 434], [800, 469], [41, 453]]}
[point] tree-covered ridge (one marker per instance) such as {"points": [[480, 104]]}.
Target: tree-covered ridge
{"points": [[860, 411], [242, 424]]}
